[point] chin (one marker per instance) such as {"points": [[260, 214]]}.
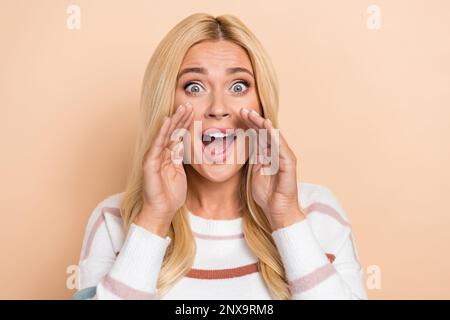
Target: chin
{"points": [[217, 172]]}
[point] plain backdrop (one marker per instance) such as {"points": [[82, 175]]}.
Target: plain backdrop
{"points": [[367, 112]]}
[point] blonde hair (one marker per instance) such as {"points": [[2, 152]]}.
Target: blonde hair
{"points": [[157, 101]]}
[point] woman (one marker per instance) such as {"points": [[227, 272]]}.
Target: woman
{"points": [[189, 228]]}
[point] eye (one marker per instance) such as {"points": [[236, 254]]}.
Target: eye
{"points": [[240, 87], [193, 88]]}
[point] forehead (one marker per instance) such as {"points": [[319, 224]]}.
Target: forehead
{"points": [[216, 54]]}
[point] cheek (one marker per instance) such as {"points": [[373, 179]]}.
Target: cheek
{"points": [[179, 97], [251, 102], [255, 106]]}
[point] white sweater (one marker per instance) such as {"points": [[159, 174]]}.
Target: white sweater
{"points": [[318, 254]]}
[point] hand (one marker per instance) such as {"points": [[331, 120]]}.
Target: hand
{"points": [[276, 193], [165, 184]]}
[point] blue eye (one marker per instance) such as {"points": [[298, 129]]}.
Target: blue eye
{"points": [[193, 88], [240, 87]]}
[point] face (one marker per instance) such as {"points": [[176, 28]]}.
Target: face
{"points": [[217, 78]]}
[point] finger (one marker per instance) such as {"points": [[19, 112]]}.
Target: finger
{"points": [[256, 119], [271, 130], [188, 121], [176, 153], [259, 123], [179, 120], [177, 116], [269, 141], [245, 116], [284, 151], [175, 120], [254, 147], [267, 125], [183, 123], [267, 138], [263, 123], [187, 117], [177, 138], [264, 140], [158, 144]]}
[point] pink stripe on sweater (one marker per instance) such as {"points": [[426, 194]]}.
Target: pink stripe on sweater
{"points": [[125, 292], [326, 209], [214, 237], [312, 279], [97, 224], [215, 274]]}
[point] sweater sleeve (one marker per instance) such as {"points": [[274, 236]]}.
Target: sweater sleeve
{"points": [[310, 273], [130, 274]]}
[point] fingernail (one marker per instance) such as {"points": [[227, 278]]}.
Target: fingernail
{"points": [[270, 122], [179, 107], [254, 112], [245, 110], [188, 104]]}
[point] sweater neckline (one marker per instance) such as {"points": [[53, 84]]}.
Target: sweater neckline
{"points": [[215, 227]]}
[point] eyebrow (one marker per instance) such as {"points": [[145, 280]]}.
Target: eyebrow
{"points": [[204, 71]]}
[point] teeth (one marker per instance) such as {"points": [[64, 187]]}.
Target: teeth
{"points": [[217, 135]]}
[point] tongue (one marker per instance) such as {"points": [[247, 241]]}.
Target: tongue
{"points": [[217, 146]]}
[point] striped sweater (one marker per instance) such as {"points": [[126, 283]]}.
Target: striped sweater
{"points": [[318, 254]]}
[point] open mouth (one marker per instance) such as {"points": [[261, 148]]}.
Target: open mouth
{"points": [[217, 142]]}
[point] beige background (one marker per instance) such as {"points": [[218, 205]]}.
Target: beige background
{"points": [[367, 112]]}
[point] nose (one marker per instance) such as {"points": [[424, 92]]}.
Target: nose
{"points": [[217, 109]]}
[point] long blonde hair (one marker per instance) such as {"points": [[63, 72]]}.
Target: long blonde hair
{"points": [[157, 101]]}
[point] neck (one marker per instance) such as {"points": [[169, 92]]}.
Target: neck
{"points": [[213, 200]]}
